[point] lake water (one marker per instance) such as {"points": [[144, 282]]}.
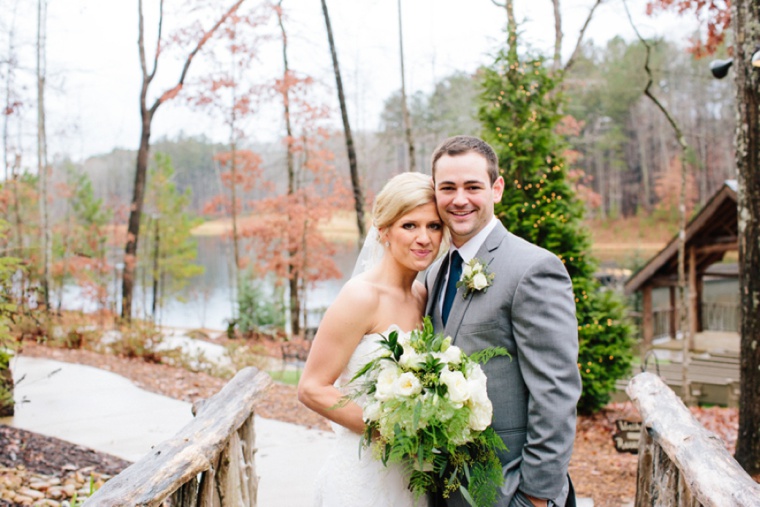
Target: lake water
{"points": [[207, 301]]}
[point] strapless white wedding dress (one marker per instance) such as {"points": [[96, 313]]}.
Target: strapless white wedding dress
{"points": [[348, 479]]}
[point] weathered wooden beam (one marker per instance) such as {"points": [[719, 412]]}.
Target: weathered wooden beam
{"points": [[693, 300], [674, 316], [647, 320], [703, 466], [193, 450], [719, 247]]}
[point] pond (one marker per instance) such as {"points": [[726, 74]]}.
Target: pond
{"points": [[208, 300]]}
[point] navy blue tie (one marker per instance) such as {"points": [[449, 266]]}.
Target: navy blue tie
{"points": [[455, 273]]}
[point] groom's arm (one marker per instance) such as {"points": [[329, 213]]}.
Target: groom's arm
{"points": [[546, 333]]}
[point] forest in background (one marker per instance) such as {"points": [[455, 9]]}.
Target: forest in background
{"points": [[625, 160], [586, 143]]}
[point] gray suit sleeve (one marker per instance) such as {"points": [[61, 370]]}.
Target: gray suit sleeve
{"points": [[546, 333]]}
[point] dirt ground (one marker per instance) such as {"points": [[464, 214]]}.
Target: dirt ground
{"points": [[598, 470]]}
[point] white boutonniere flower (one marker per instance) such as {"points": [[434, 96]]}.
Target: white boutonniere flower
{"points": [[475, 276]]}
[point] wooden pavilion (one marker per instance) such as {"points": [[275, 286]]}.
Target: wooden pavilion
{"points": [[709, 235]]}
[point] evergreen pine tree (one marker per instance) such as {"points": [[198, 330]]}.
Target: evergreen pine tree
{"points": [[168, 250], [519, 111]]}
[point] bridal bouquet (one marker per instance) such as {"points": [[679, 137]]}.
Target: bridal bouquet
{"points": [[426, 408]]}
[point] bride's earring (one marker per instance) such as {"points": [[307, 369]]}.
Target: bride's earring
{"points": [[387, 244]]}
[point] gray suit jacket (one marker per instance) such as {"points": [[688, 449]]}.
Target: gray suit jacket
{"points": [[530, 310]]}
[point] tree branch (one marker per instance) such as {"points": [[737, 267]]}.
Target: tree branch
{"points": [[648, 89], [141, 39], [173, 91], [683, 310], [579, 42], [557, 37], [158, 40]]}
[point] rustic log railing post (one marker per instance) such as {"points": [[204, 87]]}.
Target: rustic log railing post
{"points": [[209, 463], [680, 462]]}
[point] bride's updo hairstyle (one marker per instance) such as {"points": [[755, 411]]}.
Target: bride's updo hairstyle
{"points": [[403, 193]]}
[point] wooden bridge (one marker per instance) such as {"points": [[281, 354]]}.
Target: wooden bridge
{"points": [[210, 462], [681, 464]]}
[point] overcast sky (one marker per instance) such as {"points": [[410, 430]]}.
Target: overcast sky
{"points": [[94, 74]]}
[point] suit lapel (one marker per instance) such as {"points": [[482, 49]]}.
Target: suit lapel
{"points": [[436, 274], [487, 254]]}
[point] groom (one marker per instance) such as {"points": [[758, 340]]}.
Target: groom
{"points": [[529, 309]]}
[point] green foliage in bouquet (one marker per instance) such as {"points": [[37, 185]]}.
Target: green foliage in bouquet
{"points": [[519, 110], [427, 409]]}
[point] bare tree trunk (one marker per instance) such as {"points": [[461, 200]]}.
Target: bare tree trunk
{"points": [[234, 207], [557, 61], [42, 163], [293, 273], [646, 192], [19, 226], [404, 107], [233, 179], [350, 148], [683, 308], [746, 25], [600, 178], [509, 7], [156, 266], [143, 152], [8, 102], [579, 42]]}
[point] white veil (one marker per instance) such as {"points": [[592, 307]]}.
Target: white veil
{"points": [[371, 253]]}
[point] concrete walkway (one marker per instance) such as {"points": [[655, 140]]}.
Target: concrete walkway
{"points": [[106, 412]]}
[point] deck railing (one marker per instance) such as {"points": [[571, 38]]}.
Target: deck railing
{"points": [[209, 463], [680, 462], [716, 316]]}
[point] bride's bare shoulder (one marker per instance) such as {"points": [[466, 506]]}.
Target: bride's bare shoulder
{"points": [[359, 293]]}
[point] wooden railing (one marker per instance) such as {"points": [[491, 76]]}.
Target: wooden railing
{"points": [[210, 462], [680, 462], [716, 316], [721, 316]]}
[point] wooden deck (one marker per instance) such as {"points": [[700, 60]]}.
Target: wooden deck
{"points": [[713, 369]]}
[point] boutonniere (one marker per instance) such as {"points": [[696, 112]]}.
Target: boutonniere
{"points": [[475, 276]]}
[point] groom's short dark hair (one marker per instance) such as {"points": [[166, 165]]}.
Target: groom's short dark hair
{"points": [[459, 145]]}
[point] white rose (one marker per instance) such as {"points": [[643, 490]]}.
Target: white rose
{"points": [[478, 391], [404, 339], [452, 355], [467, 270], [371, 412], [479, 281], [458, 390], [480, 415], [408, 385], [386, 381], [410, 359], [477, 382]]}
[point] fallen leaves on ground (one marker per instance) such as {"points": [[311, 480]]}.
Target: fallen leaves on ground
{"points": [[597, 469]]}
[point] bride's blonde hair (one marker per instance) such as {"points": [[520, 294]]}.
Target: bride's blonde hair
{"points": [[400, 195]]}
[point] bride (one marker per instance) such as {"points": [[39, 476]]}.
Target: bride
{"points": [[407, 234]]}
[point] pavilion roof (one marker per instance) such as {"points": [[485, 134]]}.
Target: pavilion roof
{"points": [[712, 232]]}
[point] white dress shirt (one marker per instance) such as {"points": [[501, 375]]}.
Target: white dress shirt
{"points": [[468, 252]]}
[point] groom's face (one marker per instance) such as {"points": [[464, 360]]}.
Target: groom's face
{"points": [[464, 194]]}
